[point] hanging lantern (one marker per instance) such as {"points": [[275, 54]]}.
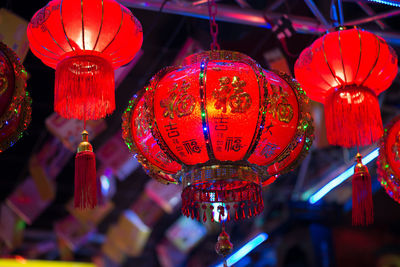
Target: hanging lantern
{"points": [[84, 41], [215, 124], [389, 160], [15, 103], [346, 70]]}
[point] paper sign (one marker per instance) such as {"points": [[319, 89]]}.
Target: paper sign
{"points": [[27, 202], [13, 33]]}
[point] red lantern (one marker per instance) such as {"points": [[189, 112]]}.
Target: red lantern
{"points": [[389, 160], [84, 41], [346, 70], [15, 103], [220, 121]]}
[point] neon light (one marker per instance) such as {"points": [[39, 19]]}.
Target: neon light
{"points": [[387, 2], [341, 178], [246, 249]]}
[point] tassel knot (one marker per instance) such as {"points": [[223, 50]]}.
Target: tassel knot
{"points": [[362, 195]]}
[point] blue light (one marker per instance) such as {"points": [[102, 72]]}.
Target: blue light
{"points": [[246, 249], [205, 129], [387, 2], [341, 178], [105, 184]]}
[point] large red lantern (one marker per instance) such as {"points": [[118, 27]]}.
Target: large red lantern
{"points": [[84, 40], [216, 124], [15, 103], [346, 70], [389, 160]]}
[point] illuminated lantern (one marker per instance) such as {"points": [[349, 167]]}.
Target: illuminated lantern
{"points": [[15, 103], [346, 70], [389, 160], [215, 124], [84, 41]]}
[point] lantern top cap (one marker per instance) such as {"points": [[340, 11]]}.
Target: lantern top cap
{"points": [[344, 28], [216, 55]]}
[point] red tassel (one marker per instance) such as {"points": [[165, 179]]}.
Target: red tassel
{"points": [[363, 213], [84, 87], [353, 117], [85, 175]]}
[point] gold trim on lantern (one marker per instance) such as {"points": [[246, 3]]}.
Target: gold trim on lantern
{"points": [[219, 172], [20, 73], [305, 128], [382, 159], [152, 170], [25, 111]]}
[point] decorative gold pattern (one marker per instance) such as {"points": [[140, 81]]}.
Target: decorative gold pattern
{"points": [[20, 84], [239, 101], [179, 102], [396, 148], [278, 105]]}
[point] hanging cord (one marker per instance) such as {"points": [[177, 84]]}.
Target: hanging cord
{"points": [[212, 12]]}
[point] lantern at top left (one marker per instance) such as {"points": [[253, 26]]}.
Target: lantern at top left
{"points": [[84, 40]]}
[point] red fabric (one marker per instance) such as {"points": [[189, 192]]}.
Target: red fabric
{"points": [[353, 117], [84, 87], [348, 58], [85, 180]]}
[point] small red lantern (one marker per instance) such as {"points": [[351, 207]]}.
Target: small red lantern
{"points": [[346, 70], [389, 160], [15, 103], [220, 121], [84, 41]]}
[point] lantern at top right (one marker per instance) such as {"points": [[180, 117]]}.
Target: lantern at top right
{"points": [[346, 70]]}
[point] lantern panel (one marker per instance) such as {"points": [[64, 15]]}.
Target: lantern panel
{"points": [[178, 115], [281, 121], [286, 164], [147, 144], [140, 141], [232, 94]]}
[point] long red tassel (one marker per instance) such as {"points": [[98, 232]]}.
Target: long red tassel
{"points": [[353, 117], [84, 87], [363, 212], [85, 175]]}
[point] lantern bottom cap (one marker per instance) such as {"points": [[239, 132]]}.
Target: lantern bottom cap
{"points": [[228, 192]]}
